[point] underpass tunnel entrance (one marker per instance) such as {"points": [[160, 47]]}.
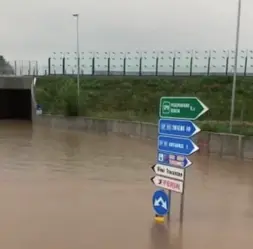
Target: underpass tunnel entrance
{"points": [[15, 104], [16, 98]]}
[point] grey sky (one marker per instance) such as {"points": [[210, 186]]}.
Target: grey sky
{"points": [[33, 29]]}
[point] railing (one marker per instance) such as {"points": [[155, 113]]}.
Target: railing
{"points": [[171, 63], [20, 67]]}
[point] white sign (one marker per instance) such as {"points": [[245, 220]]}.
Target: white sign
{"points": [[169, 184], [39, 112], [169, 171]]}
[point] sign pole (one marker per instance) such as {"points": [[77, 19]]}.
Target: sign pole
{"points": [[182, 202], [235, 66], [169, 197]]}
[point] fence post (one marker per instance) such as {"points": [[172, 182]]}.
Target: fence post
{"points": [[191, 63], [93, 66], [245, 65], [124, 66], [29, 68], [227, 63], [140, 67], [49, 66], [156, 66], [209, 63], [21, 68], [108, 66], [36, 68], [15, 67], [174, 65], [63, 66]]}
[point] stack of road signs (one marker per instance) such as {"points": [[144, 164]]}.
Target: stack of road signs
{"points": [[175, 129]]}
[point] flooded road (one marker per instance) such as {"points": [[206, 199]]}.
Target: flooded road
{"points": [[71, 190]]}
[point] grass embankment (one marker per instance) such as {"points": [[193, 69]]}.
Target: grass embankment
{"points": [[137, 98]]}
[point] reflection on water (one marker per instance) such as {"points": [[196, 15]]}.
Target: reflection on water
{"points": [[159, 236], [75, 190]]}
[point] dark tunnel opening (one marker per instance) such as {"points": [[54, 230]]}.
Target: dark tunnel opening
{"points": [[15, 104]]}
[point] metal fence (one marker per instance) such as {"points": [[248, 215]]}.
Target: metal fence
{"points": [[171, 63], [21, 67]]}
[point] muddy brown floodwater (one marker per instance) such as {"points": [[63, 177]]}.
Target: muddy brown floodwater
{"points": [[71, 190]]}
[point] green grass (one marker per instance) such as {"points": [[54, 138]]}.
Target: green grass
{"points": [[137, 98]]}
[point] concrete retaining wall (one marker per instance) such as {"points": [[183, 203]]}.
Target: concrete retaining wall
{"points": [[16, 82], [220, 144]]}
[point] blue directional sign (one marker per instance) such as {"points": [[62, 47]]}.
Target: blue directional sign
{"points": [[181, 128], [176, 145], [173, 160], [161, 203]]}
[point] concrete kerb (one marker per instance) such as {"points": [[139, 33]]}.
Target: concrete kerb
{"points": [[219, 144]]}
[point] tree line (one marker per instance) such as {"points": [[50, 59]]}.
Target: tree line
{"points": [[5, 67]]}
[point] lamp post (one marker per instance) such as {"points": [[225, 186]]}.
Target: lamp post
{"points": [[76, 16], [232, 110]]}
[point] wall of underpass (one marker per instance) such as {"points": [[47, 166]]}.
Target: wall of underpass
{"points": [[219, 144]]}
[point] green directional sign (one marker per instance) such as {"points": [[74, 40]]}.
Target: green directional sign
{"points": [[181, 108]]}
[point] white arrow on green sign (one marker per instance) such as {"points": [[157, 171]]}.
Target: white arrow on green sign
{"points": [[182, 108]]}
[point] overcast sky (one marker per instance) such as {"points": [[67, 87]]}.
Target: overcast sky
{"points": [[33, 29]]}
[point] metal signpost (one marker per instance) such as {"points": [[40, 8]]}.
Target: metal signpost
{"points": [[175, 129]]}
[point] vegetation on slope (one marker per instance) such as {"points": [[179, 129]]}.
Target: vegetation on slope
{"points": [[137, 98]]}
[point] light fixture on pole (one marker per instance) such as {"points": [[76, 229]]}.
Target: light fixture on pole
{"points": [[77, 54], [232, 110]]}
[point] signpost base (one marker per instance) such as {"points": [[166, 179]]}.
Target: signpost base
{"points": [[159, 219]]}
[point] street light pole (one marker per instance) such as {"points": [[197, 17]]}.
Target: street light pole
{"points": [[78, 56], [232, 110]]}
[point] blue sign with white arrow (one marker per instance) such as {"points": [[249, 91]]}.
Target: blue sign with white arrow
{"points": [[173, 160], [176, 145], [181, 128], [161, 202]]}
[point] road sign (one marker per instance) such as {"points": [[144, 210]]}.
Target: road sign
{"points": [[169, 171], [173, 160], [161, 203], [38, 109], [169, 184], [181, 107], [176, 145], [181, 128]]}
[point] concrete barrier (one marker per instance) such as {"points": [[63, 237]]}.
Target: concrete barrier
{"points": [[219, 144]]}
